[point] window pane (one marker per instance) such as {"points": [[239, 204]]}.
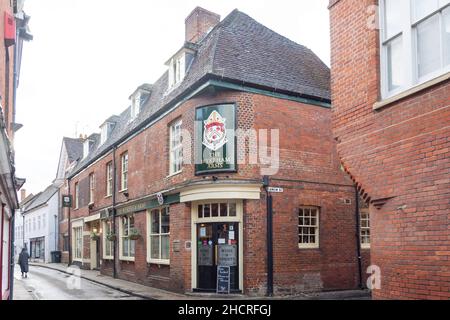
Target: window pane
{"points": [[206, 211], [223, 209], [154, 243], [423, 8], [132, 247], [214, 210], [125, 247], [394, 17], [165, 246], [165, 221], [428, 46], [155, 221], [395, 65], [446, 23], [200, 211], [232, 209]]}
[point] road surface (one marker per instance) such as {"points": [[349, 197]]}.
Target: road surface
{"points": [[48, 284]]}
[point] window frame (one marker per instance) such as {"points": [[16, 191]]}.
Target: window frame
{"points": [[91, 188], [107, 224], [364, 245], [109, 179], [77, 194], [173, 150], [78, 231], [408, 32], [124, 171], [121, 238], [316, 244], [159, 234]]}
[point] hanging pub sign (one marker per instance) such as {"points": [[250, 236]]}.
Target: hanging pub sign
{"points": [[67, 201], [215, 143]]}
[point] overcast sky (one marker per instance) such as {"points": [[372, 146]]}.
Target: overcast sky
{"points": [[88, 56]]}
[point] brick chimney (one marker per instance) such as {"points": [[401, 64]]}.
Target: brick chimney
{"points": [[23, 194], [199, 23]]}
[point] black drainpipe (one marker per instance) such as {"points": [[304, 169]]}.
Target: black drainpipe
{"points": [[358, 240], [114, 164], [269, 206], [69, 227]]}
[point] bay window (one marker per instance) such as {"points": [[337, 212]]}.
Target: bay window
{"points": [[415, 41], [159, 236]]}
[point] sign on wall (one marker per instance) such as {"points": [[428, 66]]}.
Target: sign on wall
{"points": [[215, 145], [66, 201]]}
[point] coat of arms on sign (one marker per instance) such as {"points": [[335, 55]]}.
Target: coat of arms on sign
{"points": [[215, 133]]}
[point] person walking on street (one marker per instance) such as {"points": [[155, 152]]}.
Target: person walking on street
{"points": [[23, 262]]}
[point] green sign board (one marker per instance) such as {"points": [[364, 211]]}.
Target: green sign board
{"points": [[148, 204], [215, 143], [67, 201]]}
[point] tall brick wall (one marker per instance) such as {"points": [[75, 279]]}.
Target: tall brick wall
{"points": [[400, 152], [307, 154], [6, 70]]}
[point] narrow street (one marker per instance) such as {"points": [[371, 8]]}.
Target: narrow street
{"points": [[47, 284]]}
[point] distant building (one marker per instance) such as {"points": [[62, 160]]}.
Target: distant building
{"points": [[19, 240], [13, 32], [71, 153], [40, 221]]}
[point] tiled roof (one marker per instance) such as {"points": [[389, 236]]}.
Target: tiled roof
{"points": [[74, 148], [41, 198], [238, 49]]}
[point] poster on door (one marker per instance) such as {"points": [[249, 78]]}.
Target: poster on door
{"points": [[227, 255]]}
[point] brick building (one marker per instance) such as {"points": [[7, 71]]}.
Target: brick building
{"points": [[174, 187], [391, 103], [13, 32]]}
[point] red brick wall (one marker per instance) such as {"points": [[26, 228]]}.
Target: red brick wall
{"points": [[307, 153], [400, 152], [7, 106]]}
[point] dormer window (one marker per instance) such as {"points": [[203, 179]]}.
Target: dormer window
{"points": [[86, 147], [135, 105], [179, 65], [138, 98], [106, 130], [176, 70]]}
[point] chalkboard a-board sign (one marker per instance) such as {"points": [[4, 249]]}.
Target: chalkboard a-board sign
{"points": [[223, 279]]}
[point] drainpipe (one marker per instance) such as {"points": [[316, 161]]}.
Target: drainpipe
{"points": [[358, 239], [69, 228], [114, 164], [11, 253], [269, 206]]}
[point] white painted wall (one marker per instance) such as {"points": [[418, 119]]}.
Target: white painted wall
{"points": [[48, 226]]}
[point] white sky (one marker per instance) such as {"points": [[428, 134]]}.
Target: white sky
{"points": [[88, 56]]}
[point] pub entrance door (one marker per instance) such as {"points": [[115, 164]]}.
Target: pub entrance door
{"points": [[217, 244]]}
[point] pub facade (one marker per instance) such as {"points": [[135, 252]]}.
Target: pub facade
{"points": [[212, 158]]}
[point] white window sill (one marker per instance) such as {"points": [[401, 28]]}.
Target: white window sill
{"points": [[174, 174], [108, 258], [109, 196], [411, 91], [161, 262], [123, 190], [365, 246], [127, 259], [302, 246]]}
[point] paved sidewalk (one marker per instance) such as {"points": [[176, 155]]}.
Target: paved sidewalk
{"points": [[150, 293]]}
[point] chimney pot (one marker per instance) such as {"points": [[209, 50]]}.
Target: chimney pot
{"points": [[23, 194], [199, 23]]}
